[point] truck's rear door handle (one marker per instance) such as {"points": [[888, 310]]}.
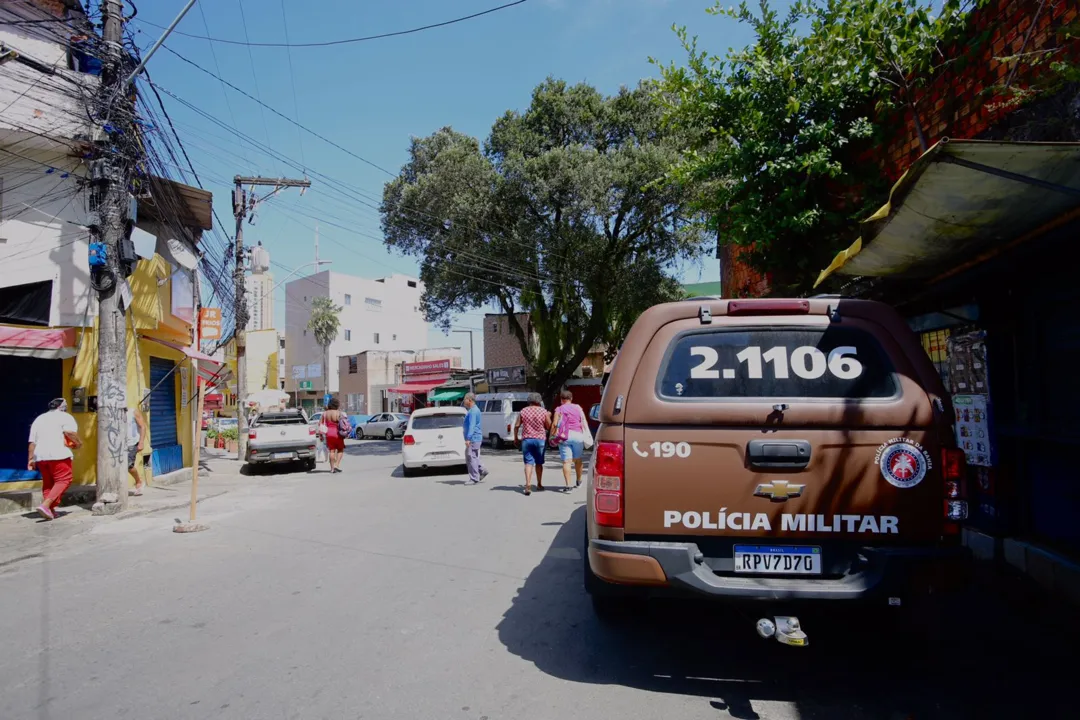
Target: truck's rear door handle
{"points": [[779, 453]]}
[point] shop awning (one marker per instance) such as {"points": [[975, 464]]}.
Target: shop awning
{"points": [[963, 199], [447, 394], [44, 343], [418, 386], [209, 368]]}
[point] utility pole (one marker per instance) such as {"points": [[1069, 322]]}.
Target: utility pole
{"points": [[111, 173], [244, 202]]}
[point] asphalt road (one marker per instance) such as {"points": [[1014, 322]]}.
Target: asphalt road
{"points": [[371, 595]]}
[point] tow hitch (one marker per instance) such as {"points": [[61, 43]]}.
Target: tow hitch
{"points": [[784, 628]]}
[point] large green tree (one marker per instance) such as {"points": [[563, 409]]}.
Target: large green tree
{"points": [[562, 214], [781, 132]]}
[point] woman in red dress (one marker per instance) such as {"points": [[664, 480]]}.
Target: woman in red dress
{"points": [[335, 443]]}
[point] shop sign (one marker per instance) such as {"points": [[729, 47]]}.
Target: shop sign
{"points": [[514, 375], [210, 323], [427, 367], [304, 384]]}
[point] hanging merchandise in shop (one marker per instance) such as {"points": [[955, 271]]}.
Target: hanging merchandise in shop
{"points": [[969, 383]]}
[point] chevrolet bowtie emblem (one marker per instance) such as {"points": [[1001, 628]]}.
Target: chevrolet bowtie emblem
{"points": [[779, 490]]}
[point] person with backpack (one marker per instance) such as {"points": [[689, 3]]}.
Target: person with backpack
{"points": [[335, 427], [570, 432]]}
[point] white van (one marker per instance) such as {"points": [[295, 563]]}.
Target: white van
{"points": [[498, 412]]}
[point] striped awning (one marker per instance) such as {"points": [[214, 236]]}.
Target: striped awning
{"points": [[45, 343]]}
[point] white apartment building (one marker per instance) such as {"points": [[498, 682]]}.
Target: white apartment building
{"points": [[376, 314], [260, 301]]}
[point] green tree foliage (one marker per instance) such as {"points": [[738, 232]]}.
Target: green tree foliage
{"points": [[562, 214], [324, 324], [779, 131]]}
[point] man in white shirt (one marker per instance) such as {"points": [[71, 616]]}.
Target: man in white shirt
{"points": [[52, 436]]}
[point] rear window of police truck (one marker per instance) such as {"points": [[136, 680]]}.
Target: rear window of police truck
{"points": [[777, 362]]}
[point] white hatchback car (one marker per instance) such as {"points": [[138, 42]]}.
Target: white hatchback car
{"points": [[433, 438]]}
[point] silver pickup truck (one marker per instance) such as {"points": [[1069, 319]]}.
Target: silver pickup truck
{"points": [[280, 437]]}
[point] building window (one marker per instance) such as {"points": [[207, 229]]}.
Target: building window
{"points": [[412, 283], [348, 335], [373, 304], [376, 338], [305, 333], [348, 299], [394, 337], [305, 298], [352, 364], [494, 327]]}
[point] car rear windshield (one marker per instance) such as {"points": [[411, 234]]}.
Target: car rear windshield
{"points": [[519, 405], [777, 362], [281, 419], [437, 422]]}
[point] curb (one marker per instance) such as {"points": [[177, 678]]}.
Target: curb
{"points": [[171, 506], [176, 477]]}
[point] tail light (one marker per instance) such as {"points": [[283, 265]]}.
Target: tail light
{"points": [[311, 430], [953, 471], [251, 434], [768, 307], [408, 440], [608, 484]]}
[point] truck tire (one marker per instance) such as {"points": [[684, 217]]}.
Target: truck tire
{"points": [[610, 602], [496, 442]]}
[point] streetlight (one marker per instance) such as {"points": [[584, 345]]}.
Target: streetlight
{"points": [[298, 269], [472, 358]]}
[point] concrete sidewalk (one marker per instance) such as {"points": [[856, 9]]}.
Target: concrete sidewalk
{"points": [[27, 535]]}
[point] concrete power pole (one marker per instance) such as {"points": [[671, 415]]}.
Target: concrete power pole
{"points": [[245, 201], [111, 174]]}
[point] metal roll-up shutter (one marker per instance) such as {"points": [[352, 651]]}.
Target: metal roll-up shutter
{"points": [[167, 454], [39, 381]]}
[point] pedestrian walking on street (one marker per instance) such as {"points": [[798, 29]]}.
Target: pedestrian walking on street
{"points": [[534, 422], [335, 438], [571, 431], [53, 434], [474, 436], [136, 442]]}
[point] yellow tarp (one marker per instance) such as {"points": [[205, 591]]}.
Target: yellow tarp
{"points": [[941, 213]]}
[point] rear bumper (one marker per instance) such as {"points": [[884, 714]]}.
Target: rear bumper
{"points": [[265, 452], [680, 566], [422, 460]]}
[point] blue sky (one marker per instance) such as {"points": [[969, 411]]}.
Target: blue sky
{"points": [[371, 97]]}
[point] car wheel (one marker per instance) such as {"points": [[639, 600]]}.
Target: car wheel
{"points": [[408, 472], [359, 434], [309, 465], [496, 442], [610, 602], [389, 434]]}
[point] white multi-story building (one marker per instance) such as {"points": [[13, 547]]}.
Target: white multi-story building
{"points": [[376, 314], [260, 301]]}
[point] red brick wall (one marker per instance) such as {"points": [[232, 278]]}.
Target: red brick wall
{"points": [[962, 102], [501, 346]]}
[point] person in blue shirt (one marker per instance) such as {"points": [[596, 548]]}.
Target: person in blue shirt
{"points": [[474, 436]]}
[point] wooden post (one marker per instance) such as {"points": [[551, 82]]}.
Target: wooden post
{"points": [[198, 446]]}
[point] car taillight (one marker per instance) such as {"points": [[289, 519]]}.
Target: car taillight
{"points": [[408, 440], [953, 470], [251, 434], [608, 484], [310, 430]]}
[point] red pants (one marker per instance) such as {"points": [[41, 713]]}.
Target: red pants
{"points": [[55, 478]]}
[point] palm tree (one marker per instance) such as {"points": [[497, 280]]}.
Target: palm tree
{"points": [[324, 325]]}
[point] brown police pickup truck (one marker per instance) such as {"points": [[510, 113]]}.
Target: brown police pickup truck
{"points": [[773, 450]]}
